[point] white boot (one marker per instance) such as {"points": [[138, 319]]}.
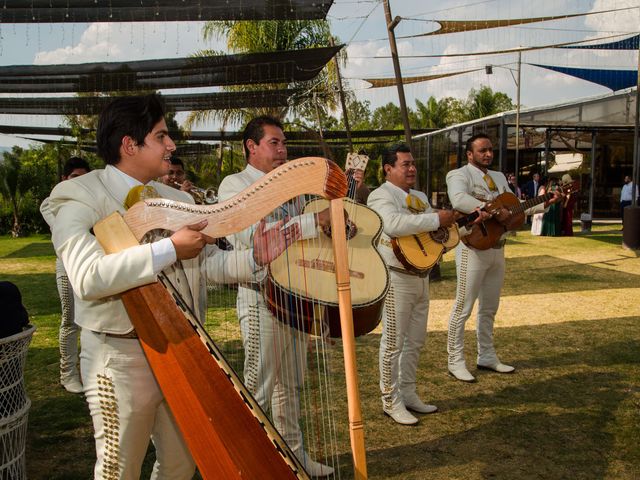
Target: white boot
{"points": [[399, 413], [72, 383], [313, 468], [412, 402], [461, 373], [497, 367]]}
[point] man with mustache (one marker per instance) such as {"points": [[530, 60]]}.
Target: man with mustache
{"points": [[275, 353], [404, 211]]}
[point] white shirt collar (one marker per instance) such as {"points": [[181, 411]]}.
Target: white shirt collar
{"points": [[128, 179], [254, 173], [398, 189]]}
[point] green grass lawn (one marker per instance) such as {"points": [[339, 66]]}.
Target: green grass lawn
{"points": [[569, 321]]}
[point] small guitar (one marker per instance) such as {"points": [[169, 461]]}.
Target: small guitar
{"points": [[487, 234], [301, 287], [420, 252]]}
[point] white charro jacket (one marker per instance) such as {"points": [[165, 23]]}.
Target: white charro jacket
{"points": [[97, 279], [390, 202], [468, 190]]}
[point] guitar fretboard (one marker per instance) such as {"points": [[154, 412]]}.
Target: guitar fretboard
{"points": [[532, 202], [461, 222]]}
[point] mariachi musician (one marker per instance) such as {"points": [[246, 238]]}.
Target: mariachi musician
{"points": [[176, 176], [480, 273], [275, 353], [404, 211], [125, 402]]}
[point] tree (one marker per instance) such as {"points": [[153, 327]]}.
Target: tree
{"points": [[435, 113], [484, 102], [387, 117], [26, 179], [269, 36], [359, 114], [10, 187]]}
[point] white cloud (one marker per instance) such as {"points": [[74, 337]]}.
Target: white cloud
{"points": [[112, 42], [622, 21]]}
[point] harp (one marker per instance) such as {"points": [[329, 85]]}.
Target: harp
{"points": [[192, 373]]}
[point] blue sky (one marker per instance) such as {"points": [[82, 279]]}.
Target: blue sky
{"points": [[360, 24]]}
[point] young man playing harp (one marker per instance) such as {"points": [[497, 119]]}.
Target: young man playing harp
{"points": [[125, 402]]}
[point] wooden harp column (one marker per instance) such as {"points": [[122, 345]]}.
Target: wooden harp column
{"points": [[227, 433], [356, 428]]}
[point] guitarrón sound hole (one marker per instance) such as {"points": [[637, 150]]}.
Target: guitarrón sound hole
{"points": [[351, 230], [441, 235]]}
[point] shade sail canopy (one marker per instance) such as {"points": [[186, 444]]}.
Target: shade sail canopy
{"points": [[457, 26], [613, 79], [630, 43], [85, 11], [219, 136], [174, 103], [252, 68], [388, 82]]}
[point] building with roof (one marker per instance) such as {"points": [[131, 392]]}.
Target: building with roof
{"points": [[591, 139]]}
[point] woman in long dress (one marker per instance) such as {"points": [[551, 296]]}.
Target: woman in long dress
{"points": [[552, 218]]}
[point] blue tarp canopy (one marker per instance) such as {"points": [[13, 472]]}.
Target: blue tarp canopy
{"points": [[613, 79], [630, 43]]}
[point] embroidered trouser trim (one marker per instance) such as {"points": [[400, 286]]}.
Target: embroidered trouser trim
{"points": [[480, 275], [274, 364], [404, 330], [68, 333], [127, 409]]}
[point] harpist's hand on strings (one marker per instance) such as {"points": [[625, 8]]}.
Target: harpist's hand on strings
{"points": [[189, 241], [323, 218], [269, 244]]}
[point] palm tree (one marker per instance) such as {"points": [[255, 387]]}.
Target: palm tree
{"points": [[438, 113], [268, 36], [485, 102]]}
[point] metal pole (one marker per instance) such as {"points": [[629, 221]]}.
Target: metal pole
{"points": [[429, 155], [345, 116], [517, 164], [391, 25], [594, 140], [323, 144], [502, 152], [636, 141]]}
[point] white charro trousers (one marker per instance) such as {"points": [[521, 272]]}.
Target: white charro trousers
{"points": [[127, 408], [480, 275], [274, 364], [404, 331], [68, 333]]}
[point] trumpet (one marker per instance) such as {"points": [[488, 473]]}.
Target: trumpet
{"points": [[200, 195]]}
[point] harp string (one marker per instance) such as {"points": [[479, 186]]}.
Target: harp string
{"points": [[316, 397], [313, 372]]}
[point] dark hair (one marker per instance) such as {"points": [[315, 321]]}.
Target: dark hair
{"points": [[126, 116], [15, 317], [255, 130], [390, 155], [469, 146], [74, 163], [177, 161]]}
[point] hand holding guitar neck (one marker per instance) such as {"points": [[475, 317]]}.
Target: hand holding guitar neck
{"points": [[488, 232]]}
